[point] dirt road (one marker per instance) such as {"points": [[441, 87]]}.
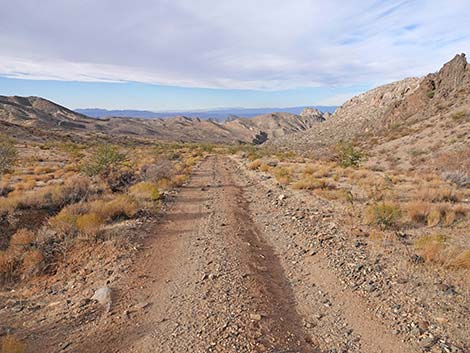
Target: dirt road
{"points": [[211, 280]]}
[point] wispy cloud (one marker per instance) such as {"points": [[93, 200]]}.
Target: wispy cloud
{"points": [[244, 44]]}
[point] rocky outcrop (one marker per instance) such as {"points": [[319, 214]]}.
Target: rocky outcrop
{"points": [[452, 76], [381, 109], [313, 113]]}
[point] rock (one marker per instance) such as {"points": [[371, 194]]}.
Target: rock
{"points": [[255, 317], [142, 305], [103, 296], [282, 197], [427, 342]]}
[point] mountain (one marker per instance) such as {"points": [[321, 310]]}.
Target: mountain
{"points": [[214, 114], [46, 116], [427, 117]]}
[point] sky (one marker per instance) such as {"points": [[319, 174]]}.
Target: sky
{"points": [[186, 54]]}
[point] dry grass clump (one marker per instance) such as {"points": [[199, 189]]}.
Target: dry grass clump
{"points": [[22, 257], [179, 180], [283, 175], [438, 194], [145, 191], [23, 238], [311, 183], [264, 167], [32, 261], [431, 247], [255, 164], [384, 214], [418, 211], [422, 212], [460, 260], [88, 218], [309, 169], [89, 224], [435, 248], [11, 344], [75, 189]]}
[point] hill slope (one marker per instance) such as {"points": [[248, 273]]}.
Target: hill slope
{"points": [[395, 123], [43, 114]]}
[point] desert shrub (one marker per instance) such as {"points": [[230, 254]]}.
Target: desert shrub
{"points": [[119, 180], [384, 215], [65, 222], [460, 260], [460, 178], [434, 217], [282, 175], [8, 154], [87, 218], [102, 160], [162, 168], [418, 211], [264, 167], [438, 194], [431, 247], [75, 189], [348, 155], [322, 171], [32, 262], [455, 166], [286, 156], [145, 191], [179, 180], [11, 344], [22, 239], [310, 183], [89, 224], [119, 207], [74, 150], [8, 265], [255, 164], [458, 116], [308, 170]]}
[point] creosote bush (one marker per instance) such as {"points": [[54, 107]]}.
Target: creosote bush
{"points": [[384, 214], [348, 155], [103, 160]]}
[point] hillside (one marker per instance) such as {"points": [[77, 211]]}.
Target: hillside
{"points": [[43, 114], [396, 123]]}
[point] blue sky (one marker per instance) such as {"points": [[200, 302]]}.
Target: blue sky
{"points": [[183, 54]]}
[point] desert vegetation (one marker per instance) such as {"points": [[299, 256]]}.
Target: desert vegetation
{"points": [[76, 193], [421, 204]]}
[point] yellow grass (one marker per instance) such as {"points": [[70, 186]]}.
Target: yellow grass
{"points": [[11, 344]]}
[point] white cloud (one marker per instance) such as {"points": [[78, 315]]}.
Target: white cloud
{"points": [[264, 44]]}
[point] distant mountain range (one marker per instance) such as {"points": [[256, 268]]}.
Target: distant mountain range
{"points": [[216, 114], [20, 115]]}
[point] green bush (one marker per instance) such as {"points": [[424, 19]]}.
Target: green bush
{"points": [[348, 155], [104, 159], [8, 154], [384, 215]]}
